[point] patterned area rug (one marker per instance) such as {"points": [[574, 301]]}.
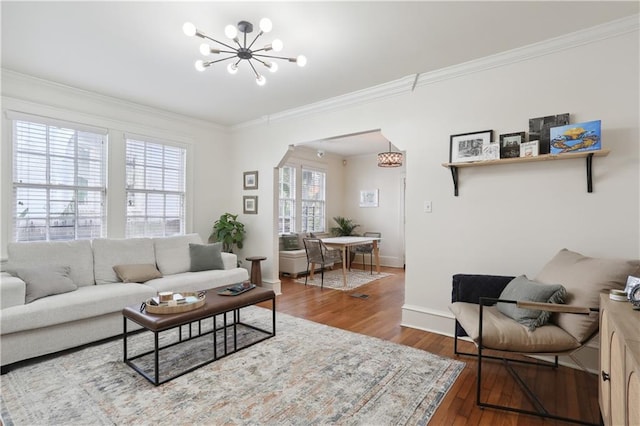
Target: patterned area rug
{"points": [[307, 374], [333, 279]]}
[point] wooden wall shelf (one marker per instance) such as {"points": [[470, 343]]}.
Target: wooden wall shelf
{"points": [[588, 155]]}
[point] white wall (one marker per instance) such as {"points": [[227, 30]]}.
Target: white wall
{"points": [[508, 219], [208, 148]]}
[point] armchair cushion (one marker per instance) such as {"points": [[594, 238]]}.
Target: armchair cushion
{"points": [[503, 333], [584, 278], [521, 289]]}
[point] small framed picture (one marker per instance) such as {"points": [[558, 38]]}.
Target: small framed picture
{"points": [[539, 129], [251, 180], [529, 149], [576, 137], [467, 147], [491, 151], [631, 283], [369, 198], [510, 144], [250, 204]]}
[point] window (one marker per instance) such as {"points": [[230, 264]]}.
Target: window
{"points": [[313, 200], [287, 197], [59, 180], [155, 174]]}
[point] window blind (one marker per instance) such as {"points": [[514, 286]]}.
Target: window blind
{"points": [[155, 179], [313, 200], [59, 184], [287, 200]]}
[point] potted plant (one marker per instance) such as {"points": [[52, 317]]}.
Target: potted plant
{"points": [[345, 227], [229, 231]]}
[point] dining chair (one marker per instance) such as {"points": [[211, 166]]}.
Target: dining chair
{"points": [[319, 254], [367, 248]]}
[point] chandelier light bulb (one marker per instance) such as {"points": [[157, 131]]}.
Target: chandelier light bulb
{"points": [[189, 29], [260, 80], [301, 60], [230, 31], [205, 49], [200, 65], [273, 67], [277, 45], [266, 25], [232, 68]]}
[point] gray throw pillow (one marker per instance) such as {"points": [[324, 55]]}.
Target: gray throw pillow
{"points": [[42, 281], [523, 289], [205, 257], [290, 242]]}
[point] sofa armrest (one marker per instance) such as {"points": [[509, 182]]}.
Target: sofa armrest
{"points": [[12, 291], [230, 260]]}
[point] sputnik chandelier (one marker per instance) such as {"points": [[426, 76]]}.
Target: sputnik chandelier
{"points": [[243, 51]]}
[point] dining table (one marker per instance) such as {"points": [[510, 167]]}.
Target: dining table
{"points": [[344, 243]]}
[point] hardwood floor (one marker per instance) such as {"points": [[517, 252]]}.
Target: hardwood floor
{"points": [[379, 316]]}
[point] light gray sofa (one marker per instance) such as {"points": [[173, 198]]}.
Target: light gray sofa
{"points": [[94, 310]]}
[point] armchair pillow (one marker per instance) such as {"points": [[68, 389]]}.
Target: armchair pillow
{"points": [[523, 289], [290, 242], [584, 278]]}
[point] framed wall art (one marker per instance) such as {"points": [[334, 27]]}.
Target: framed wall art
{"points": [[369, 198], [539, 129], [250, 204], [510, 144], [467, 147], [577, 137], [250, 179]]}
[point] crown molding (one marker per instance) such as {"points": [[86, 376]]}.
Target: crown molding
{"points": [[409, 83], [116, 103]]}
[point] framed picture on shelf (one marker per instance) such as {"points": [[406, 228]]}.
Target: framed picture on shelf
{"points": [[529, 149], [467, 147], [540, 127], [250, 179], [250, 204], [369, 198], [576, 137], [510, 144], [491, 151]]}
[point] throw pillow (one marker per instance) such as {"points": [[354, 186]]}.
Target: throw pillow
{"points": [[584, 278], [290, 242], [42, 281], [205, 257], [523, 289], [137, 273]]}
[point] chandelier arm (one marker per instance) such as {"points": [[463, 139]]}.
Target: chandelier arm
{"points": [[219, 42], [273, 57], [254, 40], [253, 68], [220, 60]]}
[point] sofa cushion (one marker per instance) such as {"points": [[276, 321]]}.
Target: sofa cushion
{"points": [[172, 253], [523, 289], [47, 280], [196, 281], [503, 333], [86, 302], [205, 257], [584, 278], [108, 253], [137, 273], [290, 242], [77, 255]]}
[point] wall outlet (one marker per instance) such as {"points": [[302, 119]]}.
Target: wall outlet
{"points": [[427, 206]]}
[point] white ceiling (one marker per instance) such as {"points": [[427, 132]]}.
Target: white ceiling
{"points": [[137, 51]]}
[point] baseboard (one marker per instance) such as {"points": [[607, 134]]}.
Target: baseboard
{"points": [[276, 286]]}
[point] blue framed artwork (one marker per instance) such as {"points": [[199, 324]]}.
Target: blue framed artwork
{"points": [[576, 137]]}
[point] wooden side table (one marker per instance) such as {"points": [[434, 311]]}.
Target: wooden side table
{"points": [[256, 272]]}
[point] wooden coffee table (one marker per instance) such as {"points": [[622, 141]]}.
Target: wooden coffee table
{"points": [[192, 324]]}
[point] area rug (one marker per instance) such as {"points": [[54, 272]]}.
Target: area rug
{"points": [[307, 374], [333, 279]]}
